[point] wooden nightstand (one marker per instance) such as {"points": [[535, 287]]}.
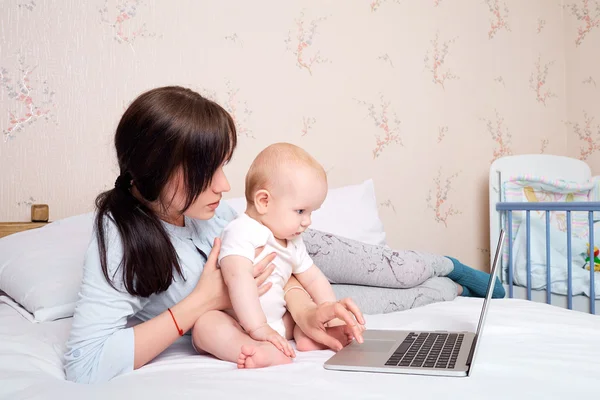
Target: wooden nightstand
{"points": [[8, 228], [39, 214]]}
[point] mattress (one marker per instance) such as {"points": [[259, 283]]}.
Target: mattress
{"points": [[528, 350]]}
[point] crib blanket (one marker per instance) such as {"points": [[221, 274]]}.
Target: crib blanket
{"points": [[558, 259], [538, 189]]}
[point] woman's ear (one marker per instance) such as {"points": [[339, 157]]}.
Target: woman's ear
{"points": [[261, 201]]}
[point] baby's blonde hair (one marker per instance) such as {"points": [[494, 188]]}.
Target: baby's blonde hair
{"points": [[273, 164]]}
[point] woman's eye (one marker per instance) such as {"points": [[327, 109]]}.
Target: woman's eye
{"points": [[300, 212]]}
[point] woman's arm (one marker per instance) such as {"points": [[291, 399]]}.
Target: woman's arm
{"points": [[312, 318], [153, 336], [101, 346]]}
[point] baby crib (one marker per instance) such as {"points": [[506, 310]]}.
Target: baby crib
{"points": [[546, 255]]}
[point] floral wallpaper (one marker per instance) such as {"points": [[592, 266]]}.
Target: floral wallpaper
{"points": [[420, 95]]}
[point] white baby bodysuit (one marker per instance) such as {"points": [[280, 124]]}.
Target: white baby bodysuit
{"points": [[242, 237]]}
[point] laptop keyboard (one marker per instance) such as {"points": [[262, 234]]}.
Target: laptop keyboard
{"points": [[427, 350]]}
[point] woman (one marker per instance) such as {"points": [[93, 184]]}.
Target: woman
{"points": [[153, 255]]}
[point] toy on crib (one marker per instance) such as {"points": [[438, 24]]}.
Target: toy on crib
{"points": [[596, 259]]}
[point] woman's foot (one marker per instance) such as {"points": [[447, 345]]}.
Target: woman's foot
{"points": [[263, 355], [474, 282]]}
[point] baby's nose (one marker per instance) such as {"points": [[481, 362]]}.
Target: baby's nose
{"points": [[306, 221]]}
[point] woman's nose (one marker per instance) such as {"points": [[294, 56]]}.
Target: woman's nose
{"points": [[220, 183]]}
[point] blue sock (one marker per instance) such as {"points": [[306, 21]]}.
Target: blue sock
{"points": [[474, 280], [466, 292]]}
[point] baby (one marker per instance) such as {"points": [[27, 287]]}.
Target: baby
{"points": [[284, 185]]}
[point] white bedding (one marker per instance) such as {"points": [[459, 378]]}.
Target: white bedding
{"points": [[528, 351]]}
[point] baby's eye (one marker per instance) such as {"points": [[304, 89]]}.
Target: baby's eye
{"points": [[300, 212]]}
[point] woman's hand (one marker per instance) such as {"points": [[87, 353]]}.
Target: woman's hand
{"points": [[313, 319], [212, 289]]}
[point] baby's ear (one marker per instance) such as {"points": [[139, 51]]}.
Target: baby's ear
{"points": [[261, 201]]}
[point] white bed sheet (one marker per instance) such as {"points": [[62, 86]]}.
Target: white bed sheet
{"points": [[528, 350]]}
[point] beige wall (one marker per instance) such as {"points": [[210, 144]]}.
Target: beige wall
{"points": [[582, 46], [354, 82]]}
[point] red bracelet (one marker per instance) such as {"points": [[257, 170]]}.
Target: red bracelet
{"points": [[177, 326]]}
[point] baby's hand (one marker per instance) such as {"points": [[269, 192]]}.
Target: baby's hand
{"points": [[267, 334]]}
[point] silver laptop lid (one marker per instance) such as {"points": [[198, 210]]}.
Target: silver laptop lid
{"points": [[486, 301]]}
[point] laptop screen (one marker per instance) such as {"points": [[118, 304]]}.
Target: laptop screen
{"points": [[488, 296], [490, 288]]}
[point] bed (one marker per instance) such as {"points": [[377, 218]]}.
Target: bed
{"points": [[528, 350], [541, 351], [550, 207]]}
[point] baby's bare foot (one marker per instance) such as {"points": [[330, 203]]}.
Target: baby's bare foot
{"points": [[263, 355]]}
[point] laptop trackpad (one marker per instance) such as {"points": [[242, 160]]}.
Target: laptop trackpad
{"points": [[373, 346]]}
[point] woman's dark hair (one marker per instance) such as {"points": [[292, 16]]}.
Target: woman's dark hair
{"points": [[164, 130]]}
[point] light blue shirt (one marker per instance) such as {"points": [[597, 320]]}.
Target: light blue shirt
{"points": [[100, 345]]}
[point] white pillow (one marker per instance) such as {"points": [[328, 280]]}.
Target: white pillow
{"points": [[348, 211], [40, 269]]}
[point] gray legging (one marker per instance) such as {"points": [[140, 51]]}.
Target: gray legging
{"points": [[377, 278]]}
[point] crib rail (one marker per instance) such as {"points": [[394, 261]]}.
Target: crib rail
{"points": [[568, 207]]}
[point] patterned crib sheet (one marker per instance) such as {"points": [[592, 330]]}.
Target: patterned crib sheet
{"points": [[528, 188]]}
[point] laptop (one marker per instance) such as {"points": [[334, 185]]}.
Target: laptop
{"points": [[439, 353]]}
